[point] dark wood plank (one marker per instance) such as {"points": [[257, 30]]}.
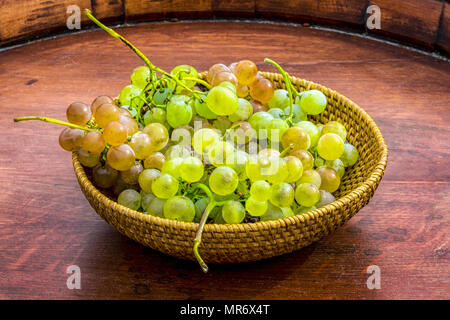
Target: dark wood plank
{"points": [[109, 11], [415, 21], [233, 8], [443, 41], [47, 225]]}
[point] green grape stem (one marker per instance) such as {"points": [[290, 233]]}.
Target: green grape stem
{"points": [[56, 121], [286, 151], [152, 67], [202, 82]]}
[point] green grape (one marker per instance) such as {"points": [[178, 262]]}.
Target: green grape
{"points": [[296, 138], [311, 129], [104, 176], [254, 207], [242, 91], [115, 133], [159, 136], [179, 208], [131, 176], [78, 113], [221, 153], [131, 124], [222, 124], [130, 198], [276, 128], [330, 146], [222, 77], [140, 76], [330, 180], [297, 115], [269, 152], [350, 155], [300, 210], [287, 212], [141, 143], [229, 85], [179, 111], [243, 112], [281, 194], [99, 101], [155, 115], [223, 181], [222, 101], [335, 127], [272, 213], [245, 71], [277, 113], [160, 96], [242, 134], [313, 102], [260, 190], [165, 186], [259, 121], [146, 198], [156, 207], [88, 159], [129, 96], [337, 165], [155, 160], [146, 179], [305, 157], [325, 198], [318, 162], [201, 107], [310, 176], [191, 169], [185, 71], [273, 169], [233, 212], [200, 206], [72, 139], [295, 169], [121, 158], [182, 136], [203, 138], [262, 89], [177, 151], [173, 166], [307, 194], [252, 169], [280, 99], [218, 217], [238, 161]]}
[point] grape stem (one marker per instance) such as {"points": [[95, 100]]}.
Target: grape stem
{"points": [[202, 82], [198, 236], [286, 151], [151, 66], [51, 120]]}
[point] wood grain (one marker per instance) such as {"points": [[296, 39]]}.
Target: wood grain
{"points": [[415, 21], [46, 224], [233, 8], [443, 40], [109, 10]]}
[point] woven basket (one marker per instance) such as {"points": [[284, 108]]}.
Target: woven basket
{"points": [[254, 241]]}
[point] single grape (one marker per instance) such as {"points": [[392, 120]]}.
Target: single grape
{"points": [[297, 114], [242, 91], [154, 161], [179, 111], [233, 212], [156, 207], [281, 194], [258, 106], [313, 102], [184, 71], [93, 142], [165, 186], [256, 208], [274, 170], [311, 129], [330, 180], [335, 127], [201, 107], [130, 124], [276, 129], [310, 176], [287, 212], [337, 165], [140, 77], [87, 159], [203, 138], [272, 213], [262, 89], [279, 100], [146, 179], [296, 138], [115, 133], [155, 115], [232, 66], [121, 157], [106, 113], [223, 76], [104, 176], [295, 169], [159, 136], [307, 194], [245, 71], [172, 167], [130, 96], [71, 139], [277, 113], [330, 146], [223, 181], [130, 198], [131, 175], [177, 151], [260, 190], [219, 67], [222, 123], [78, 113], [325, 198], [244, 111], [146, 198], [99, 101], [237, 162], [191, 169], [305, 157], [179, 208], [350, 155], [141, 143], [252, 169], [221, 153], [200, 206], [222, 101]]}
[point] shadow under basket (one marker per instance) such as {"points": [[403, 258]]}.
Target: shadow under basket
{"points": [[222, 243]]}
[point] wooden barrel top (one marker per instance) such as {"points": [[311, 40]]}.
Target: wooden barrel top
{"points": [[47, 225]]}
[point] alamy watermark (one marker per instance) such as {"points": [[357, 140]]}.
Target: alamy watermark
{"points": [[74, 19], [374, 280], [74, 280], [373, 20]]}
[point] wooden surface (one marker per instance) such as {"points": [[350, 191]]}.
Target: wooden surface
{"points": [[46, 225], [421, 23]]}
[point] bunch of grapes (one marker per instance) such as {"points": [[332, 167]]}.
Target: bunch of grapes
{"points": [[227, 149]]}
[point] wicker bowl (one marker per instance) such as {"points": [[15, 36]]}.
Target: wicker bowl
{"points": [[223, 243]]}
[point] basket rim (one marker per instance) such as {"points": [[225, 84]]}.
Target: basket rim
{"points": [[369, 183]]}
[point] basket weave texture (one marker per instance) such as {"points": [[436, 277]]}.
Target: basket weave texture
{"points": [[223, 243]]}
